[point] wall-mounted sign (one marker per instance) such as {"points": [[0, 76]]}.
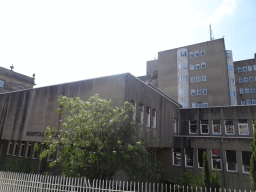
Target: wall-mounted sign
{"points": [[38, 134], [1, 83]]}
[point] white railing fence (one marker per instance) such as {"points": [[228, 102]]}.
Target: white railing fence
{"points": [[22, 182]]}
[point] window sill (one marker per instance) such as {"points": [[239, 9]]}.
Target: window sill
{"points": [[176, 165]]}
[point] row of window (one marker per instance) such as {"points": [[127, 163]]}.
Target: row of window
{"points": [[216, 127], [199, 91], [197, 78], [197, 66], [199, 104], [247, 90], [22, 149], [246, 68], [197, 54], [216, 159], [248, 102], [245, 79]]}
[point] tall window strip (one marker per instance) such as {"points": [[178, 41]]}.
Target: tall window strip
{"points": [[15, 149], [134, 112], [176, 156], [246, 156], [200, 153], [9, 148], [216, 159], [192, 127], [154, 118], [28, 150], [189, 158], [231, 160], [175, 125], [148, 116], [22, 149], [141, 113]]}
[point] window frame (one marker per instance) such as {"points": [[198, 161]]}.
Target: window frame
{"points": [[9, 148], [198, 78], [154, 118], [251, 78], [15, 147], [198, 91], [212, 162], [249, 67], [241, 91], [248, 102], [197, 66], [198, 158], [193, 92], [227, 133], [205, 104], [193, 104], [192, 67], [246, 90], [214, 123], [227, 163], [22, 149], [240, 80], [202, 52], [148, 117], [191, 54], [199, 104], [192, 79], [194, 123], [204, 91], [197, 52], [204, 78], [244, 68], [253, 101], [186, 156], [141, 109], [173, 156], [254, 67], [245, 79], [29, 145], [203, 65], [243, 167], [252, 90], [203, 124], [242, 102], [240, 123]]}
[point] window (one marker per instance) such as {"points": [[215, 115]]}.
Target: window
{"points": [[239, 69], [243, 127], [246, 79], [196, 53], [141, 113], [191, 54], [203, 65], [193, 92], [154, 118], [255, 78], [198, 78], [199, 104], [15, 149], [254, 101], [229, 127], [134, 112], [9, 148], [183, 54], [202, 52], [192, 127], [203, 77], [189, 157], [251, 79], [249, 68], [248, 101], [20, 88], [204, 91], [216, 127], [252, 90], [241, 90], [192, 67], [231, 160], [198, 91], [244, 68], [22, 149], [175, 125], [242, 102], [205, 104], [247, 90], [148, 116], [28, 150], [246, 156], [35, 153], [216, 159], [192, 79], [254, 67], [200, 153], [204, 127], [240, 80], [194, 104], [176, 156], [197, 66]]}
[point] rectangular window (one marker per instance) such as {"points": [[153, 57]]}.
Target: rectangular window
{"points": [[198, 91], [9, 148], [246, 156], [196, 53], [251, 78], [203, 77], [216, 159], [249, 68], [197, 66], [148, 116], [242, 102], [176, 156], [204, 91], [254, 67], [244, 68], [192, 127], [154, 118], [241, 90], [252, 90], [216, 127], [199, 104], [248, 101], [35, 153], [247, 90], [15, 149], [141, 113], [254, 101], [183, 54], [198, 78], [231, 160], [205, 104], [28, 150], [192, 79], [243, 127], [191, 54], [19, 88], [193, 92], [22, 149], [204, 127], [202, 52], [239, 69], [200, 153], [240, 80], [203, 65], [229, 127], [189, 157], [255, 78], [175, 125], [246, 79], [194, 104], [192, 67]]}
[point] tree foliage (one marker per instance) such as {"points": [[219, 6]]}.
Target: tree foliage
{"points": [[98, 139], [215, 179], [206, 174], [253, 161], [20, 165]]}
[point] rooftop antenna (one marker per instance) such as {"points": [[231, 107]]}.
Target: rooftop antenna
{"points": [[211, 35]]}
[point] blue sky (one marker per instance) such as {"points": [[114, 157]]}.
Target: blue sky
{"points": [[63, 41]]}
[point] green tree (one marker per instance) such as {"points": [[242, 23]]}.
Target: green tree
{"points": [[206, 174], [98, 139], [20, 165], [215, 179], [253, 161]]}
